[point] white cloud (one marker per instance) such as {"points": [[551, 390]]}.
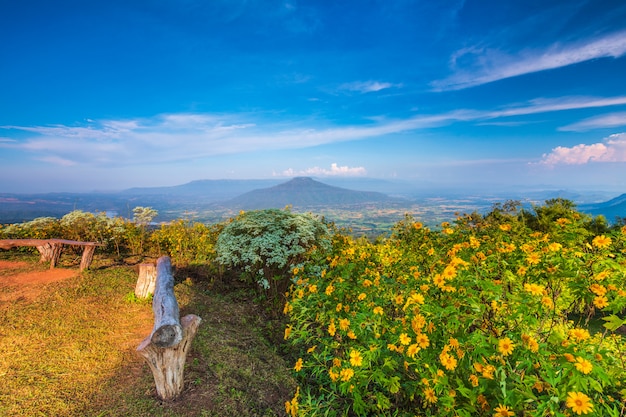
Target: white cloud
{"points": [[488, 65], [183, 137], [597, 122], [366, 86], [334, 171], [612, 149]]}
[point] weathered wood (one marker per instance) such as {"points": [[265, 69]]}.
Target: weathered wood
{"points": [[167, 364], [146, 281], [167, 331], [165, 349], [50, 249]]}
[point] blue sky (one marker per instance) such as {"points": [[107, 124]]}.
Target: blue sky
{"points": [[108, 95]]}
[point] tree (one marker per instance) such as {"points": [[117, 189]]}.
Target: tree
{"points": [[267, 244]]}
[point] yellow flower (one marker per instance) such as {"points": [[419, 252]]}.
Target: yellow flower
{"points": [[422, 340], [601, 241], [503, 411], [367, 283], [473, 380], [430, 251], [362, 296], [547, 302], [579, 403], [344, 324], [330, 289], [597, 289], [534, 289], [505, 346], [562, 221], [337, 362], [569, 357], [298, 365], [313, 288], [355, 358], [331, 328], [351, 335], [600, 301], [378, 310], [287, 332], [449, 362], [583, 365], [533, 258], [579, 334], [438, 280], [412, 350], [339, 307], [404, 339], [311, 349], [555, 247], [521, 271], [449, 272], [333, 375], [346, 374], [430, 396], [399, 299], [291, 407]]}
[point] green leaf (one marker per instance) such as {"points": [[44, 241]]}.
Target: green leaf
{"points": [[613, 322]]}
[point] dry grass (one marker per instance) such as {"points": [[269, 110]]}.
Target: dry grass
{"points": [[71, 352]]}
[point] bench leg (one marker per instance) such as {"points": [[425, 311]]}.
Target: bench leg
{"points": [[87, 257], [56, 254]]}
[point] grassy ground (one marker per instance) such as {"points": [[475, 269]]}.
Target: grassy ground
{"points": [[71, 351]]}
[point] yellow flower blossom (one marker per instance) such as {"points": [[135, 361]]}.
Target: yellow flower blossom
{"points": [[583, 365], [505, 346], [600, 301], [298, 365], [404, 339], [601, 241], [346, 374], [533, 258], [331, 328], [534, 289], [579, 334], [378, 310], [448, 361], [287, 332], [344, 324], [473, 379], [362, 296], [429, 395], [329, 289], [355, 358], [311, 349], [422, 340], [579, 403], [503, 411], [505, 227], [412, 350]]}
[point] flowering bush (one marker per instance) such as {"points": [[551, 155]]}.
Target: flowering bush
{"points": [[479, 318]]}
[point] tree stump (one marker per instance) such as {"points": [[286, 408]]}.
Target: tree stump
{"points": [[165, 349], [146, 281], [85, 261]]}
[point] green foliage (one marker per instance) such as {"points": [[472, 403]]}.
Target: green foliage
{"points": [[469, 320], [187, 243], [267, 244]]}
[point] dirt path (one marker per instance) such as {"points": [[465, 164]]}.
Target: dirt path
{"points": [[27, 284]]}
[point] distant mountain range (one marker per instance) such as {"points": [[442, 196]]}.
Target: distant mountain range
{"points": [[211, 200]]}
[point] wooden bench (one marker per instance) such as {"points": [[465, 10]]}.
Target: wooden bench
{"points": [[50, 249]]}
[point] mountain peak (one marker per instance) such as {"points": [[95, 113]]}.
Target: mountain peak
{"points": [[304, 192]]}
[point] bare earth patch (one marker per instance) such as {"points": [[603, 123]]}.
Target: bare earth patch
{"points": [[18, 283]]}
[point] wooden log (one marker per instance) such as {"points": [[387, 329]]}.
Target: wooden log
{"points": [[56, 254], [45, 251], [167, 331], [146, 281], [167, 364], [165, 349]]}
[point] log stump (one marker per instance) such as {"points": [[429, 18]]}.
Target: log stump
{"points": [[146, 281], [165, 349]]}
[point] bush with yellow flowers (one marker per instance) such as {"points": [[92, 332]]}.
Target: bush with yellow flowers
{"points": [[479, 318]]}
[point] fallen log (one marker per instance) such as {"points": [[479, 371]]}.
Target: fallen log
{"points": [[165, 349]]}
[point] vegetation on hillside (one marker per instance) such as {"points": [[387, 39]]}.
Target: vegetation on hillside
{"points": [[516, 312]]}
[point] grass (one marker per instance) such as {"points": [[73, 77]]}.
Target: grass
{"points": [[71, 351]]}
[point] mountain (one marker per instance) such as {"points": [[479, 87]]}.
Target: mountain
{"points": [[610, 209], [305, 192]]}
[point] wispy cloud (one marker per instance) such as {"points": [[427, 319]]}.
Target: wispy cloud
{"points": [[597, 122], [334, 171], [366, 86], [180, 137], [611, 149], [488, 65]]}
